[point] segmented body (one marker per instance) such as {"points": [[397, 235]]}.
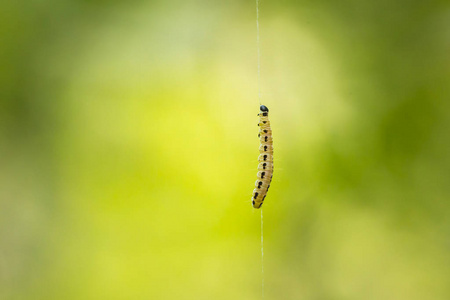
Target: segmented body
{"points": [[265, 166]]}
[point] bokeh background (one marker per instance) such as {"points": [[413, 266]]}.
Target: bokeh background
{"points": [[128, 149]]}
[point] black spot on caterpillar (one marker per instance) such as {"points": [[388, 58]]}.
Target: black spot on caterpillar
{"points": [[265, 168]]}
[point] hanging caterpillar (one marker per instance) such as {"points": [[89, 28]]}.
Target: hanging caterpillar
{"points": [[265, 159]]}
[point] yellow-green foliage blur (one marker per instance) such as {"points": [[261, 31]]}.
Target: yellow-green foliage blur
{"points": [[128, 150]]}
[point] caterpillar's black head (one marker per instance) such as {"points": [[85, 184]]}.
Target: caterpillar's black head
{"points": [[263, 108]]}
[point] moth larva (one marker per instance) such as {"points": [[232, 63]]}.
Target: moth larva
{"points": [[265, 167]]}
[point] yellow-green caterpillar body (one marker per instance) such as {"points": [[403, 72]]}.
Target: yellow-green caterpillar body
{"points": [[265, 166]]}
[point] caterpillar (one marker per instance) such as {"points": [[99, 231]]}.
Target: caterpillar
{"points": [[265, 159]]}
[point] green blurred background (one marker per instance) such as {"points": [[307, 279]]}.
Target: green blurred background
{"points": [[128, 149]]}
